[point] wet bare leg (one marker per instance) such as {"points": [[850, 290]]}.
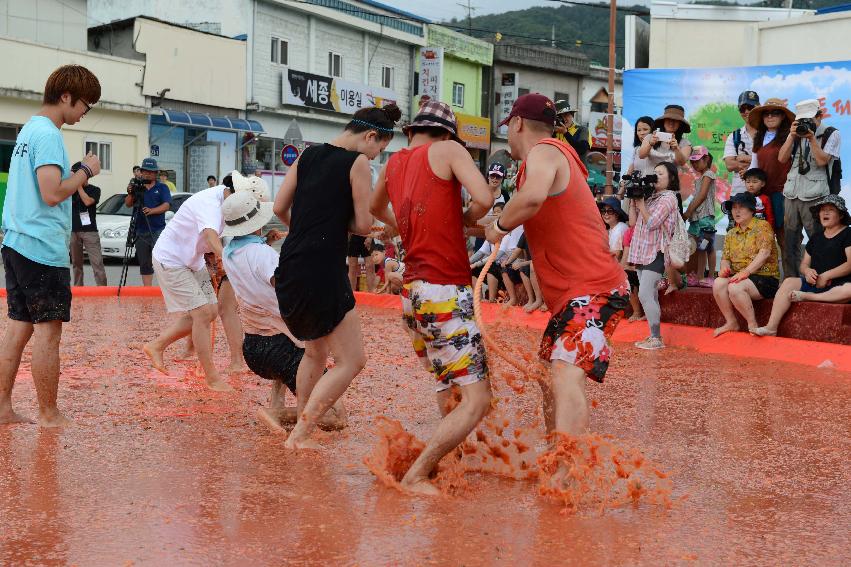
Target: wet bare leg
{"points": [[493, 287], [742, 295], [509, 287], [530, 293], [720, 289], [370, 273], [781, 304], [233, 327], [839, 294], [548, 405], [347, 345], [570, 398], [637, 310], [45, 370], [148, 280], [450, 432], [182, 327], [188, 349], [17, 336], [354, 272]]}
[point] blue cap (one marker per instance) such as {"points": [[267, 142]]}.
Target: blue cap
{"points": [[749, 98], [149, 164], [497, 168]]}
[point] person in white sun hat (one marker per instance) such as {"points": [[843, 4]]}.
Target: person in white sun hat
{"points": [[269, 348], [812, 148]]}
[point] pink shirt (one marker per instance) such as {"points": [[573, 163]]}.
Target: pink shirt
{"points": [[647, 238]]}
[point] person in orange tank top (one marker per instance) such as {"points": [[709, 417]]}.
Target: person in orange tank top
{"points": [[423, 184], [585, 287]]}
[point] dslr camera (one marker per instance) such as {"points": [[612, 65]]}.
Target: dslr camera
{"points": [[137, 188], [639, 186], [805, 126]]}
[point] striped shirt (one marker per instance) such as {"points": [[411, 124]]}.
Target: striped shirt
{"points": [[647, 238]]}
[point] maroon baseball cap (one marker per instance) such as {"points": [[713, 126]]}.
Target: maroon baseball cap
{"points": [[533, 106]]}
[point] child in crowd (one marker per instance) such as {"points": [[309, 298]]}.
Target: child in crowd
{"points": [[389, 271], [615, 219], [826, 266], [701, 215], [755, 180], [512, 268], [478, 259], [632, 276]]}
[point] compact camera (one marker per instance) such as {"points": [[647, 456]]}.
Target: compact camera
{"points": [[639, 186]]}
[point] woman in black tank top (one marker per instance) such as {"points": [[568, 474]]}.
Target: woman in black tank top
{"points": [[324, 196]]}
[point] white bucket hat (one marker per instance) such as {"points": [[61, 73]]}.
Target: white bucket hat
{"points": [[244, 214], [254, 185], [806, 109]]}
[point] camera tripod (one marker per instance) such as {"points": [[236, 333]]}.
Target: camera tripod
{"points": [[132, 237]]}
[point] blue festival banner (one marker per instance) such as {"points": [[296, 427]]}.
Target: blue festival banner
{"points": [[709, 97]]}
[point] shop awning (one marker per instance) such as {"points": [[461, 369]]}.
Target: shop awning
{"points": [[200, 120]]}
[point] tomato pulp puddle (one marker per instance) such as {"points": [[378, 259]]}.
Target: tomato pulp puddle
{"points": [[159, 470]]}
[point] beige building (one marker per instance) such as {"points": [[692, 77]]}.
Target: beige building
{"points": [[691, 35]]}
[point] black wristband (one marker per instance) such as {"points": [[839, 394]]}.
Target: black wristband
{"points": [[500, 227], [87, 170]]}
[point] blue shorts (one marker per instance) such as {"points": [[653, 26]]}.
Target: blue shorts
{"points": [[807, 287]]}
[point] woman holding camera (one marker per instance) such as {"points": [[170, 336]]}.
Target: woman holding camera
{"points": [[654, 218], [772, 122], [640, 165], [666, 143]]}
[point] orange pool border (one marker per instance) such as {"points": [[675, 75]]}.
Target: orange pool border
{"points": [[810, 353]]}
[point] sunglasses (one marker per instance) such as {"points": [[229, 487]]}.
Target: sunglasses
{"points": [[775, 113], [608, 211], [745, 108]]}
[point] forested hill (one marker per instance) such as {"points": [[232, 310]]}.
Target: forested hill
{"points": [[588, 25]]}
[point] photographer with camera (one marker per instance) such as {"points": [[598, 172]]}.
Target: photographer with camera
{"points": [[653, 210], [811, 147], [567, 130], [150, 201]]}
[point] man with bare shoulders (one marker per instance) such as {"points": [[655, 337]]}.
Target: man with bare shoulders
{"points": [[423, 184], [580, 280]]}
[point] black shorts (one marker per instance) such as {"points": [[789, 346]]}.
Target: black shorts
{"points": [[357, 247], [632, 276], [145, 242], [514, 275], [36, 293], [765, 285], [274, 358]]}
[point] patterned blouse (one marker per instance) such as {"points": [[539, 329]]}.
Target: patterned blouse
{"points": [[742, 244], [647, 238]]}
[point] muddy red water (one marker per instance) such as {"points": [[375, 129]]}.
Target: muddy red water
{"points": [[160, 471]]}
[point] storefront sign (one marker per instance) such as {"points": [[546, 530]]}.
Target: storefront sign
{"points": [[330, 93], [431, 72], [474, 130], [289, 154], [461, 45], [507, 96], [597, 122]]}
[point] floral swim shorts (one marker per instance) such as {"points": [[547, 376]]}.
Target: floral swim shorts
{"points": [[440, 320], [580, 333]]}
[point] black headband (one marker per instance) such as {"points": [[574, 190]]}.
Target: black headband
{"points": [[248, 216]]}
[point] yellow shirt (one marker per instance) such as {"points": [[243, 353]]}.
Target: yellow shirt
{"points": [[742, 244], [171, 186]]}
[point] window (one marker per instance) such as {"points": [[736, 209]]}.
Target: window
{"points": [[521, 92], [562, 96], [387, 77], [335, 64], [103, 150], [457, 94], [279, 51]]}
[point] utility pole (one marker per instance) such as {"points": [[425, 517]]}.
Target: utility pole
{"points": [[610, 118], [553, 42], [470, 9]]}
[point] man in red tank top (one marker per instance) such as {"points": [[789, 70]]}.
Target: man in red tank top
{"points": [[583, 284], [423, 184]]}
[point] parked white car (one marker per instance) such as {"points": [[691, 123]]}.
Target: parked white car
{"points": [[114, 221]]}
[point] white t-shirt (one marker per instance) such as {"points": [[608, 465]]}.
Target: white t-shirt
{"points": [[616, 237], [250, 270], [181, 245], [745, 148]]}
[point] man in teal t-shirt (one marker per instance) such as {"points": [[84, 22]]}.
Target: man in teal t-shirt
{"points": [[37, 225]]}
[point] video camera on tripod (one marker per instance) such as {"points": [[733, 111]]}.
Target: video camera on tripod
{"points": [[136, 189]]}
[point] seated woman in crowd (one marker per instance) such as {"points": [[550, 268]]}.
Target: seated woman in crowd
{"points": [[826, 266], [615, 219], [749, 268], [654, 220]]}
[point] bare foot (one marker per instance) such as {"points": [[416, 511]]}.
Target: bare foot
{"points": [[287, 414], [637, 317], [219, 385], [53, 419], [543, 308], [156, 356], [727, 328], [529, 307], [421, 487], [797, 296], [671, 289], [237, 368], [511, 302], [333, 420], [302, 444], [765, 332], [10, 417], [267, 417]]}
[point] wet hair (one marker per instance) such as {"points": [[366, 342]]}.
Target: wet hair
{"points": [[213, 177], [75, 80], [646, 120], [673, 176], [380, 120], [756, 173]]}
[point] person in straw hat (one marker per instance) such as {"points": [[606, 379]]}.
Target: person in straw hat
{"points": [[672, 125], [423, 184], [772, 122], [269, 349], [825, 268]]}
